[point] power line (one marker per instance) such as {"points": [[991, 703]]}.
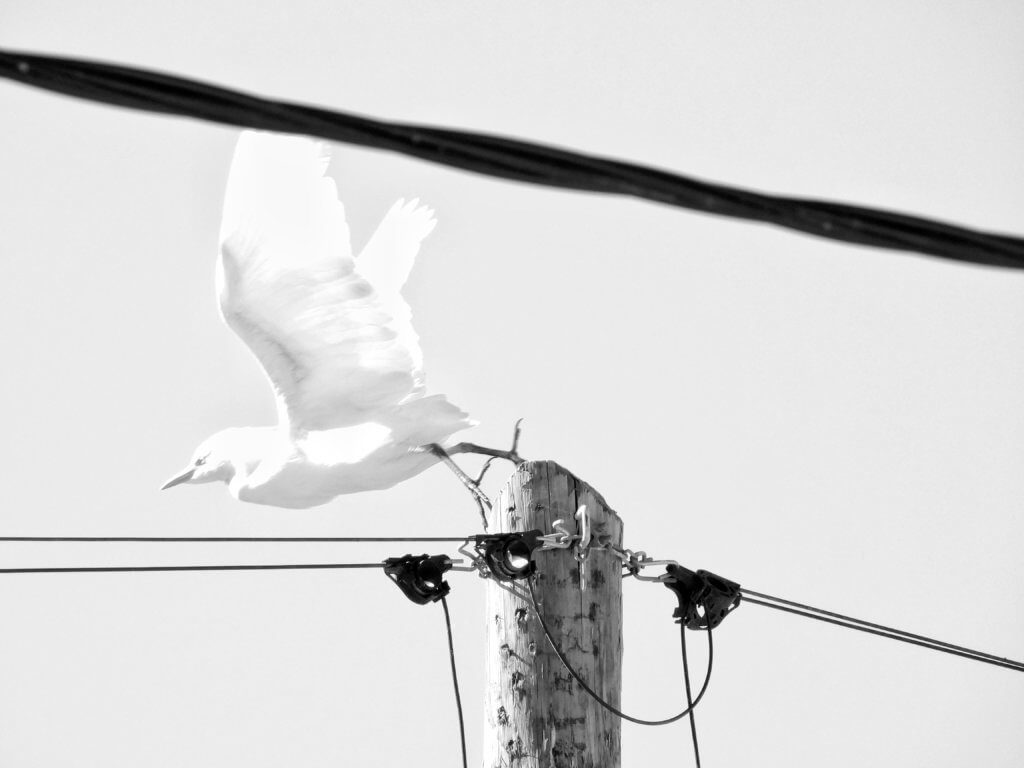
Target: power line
{"points": [[265, 567], [750, 596], [222, 539], [810, 612], [727, 595], [155, 568], [508, 158]]}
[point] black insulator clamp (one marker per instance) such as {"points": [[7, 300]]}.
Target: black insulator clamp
{"points": [[509, 556], [420, 577], [704, 598]]}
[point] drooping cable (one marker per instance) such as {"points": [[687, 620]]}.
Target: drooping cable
{"points": [[819, 614], [455, 681], [509, 158], [421, 580], [594, 695], [689, 696]]}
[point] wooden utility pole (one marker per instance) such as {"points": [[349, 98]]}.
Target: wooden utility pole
{"points": [[536, 715]]}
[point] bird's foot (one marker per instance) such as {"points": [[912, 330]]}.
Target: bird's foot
{"points": [[473, 486]]}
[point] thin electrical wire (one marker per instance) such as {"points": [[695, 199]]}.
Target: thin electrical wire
{"points": [[862, 622], [156, 568], [689, 695], [508, 158], [935, 645], [222, 539], [455, 681], [593, 694]]}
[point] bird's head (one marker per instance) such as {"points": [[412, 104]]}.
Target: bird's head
{"points": [[212, 460]]}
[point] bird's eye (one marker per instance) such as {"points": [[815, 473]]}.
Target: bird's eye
{"points": [[200, 461]]}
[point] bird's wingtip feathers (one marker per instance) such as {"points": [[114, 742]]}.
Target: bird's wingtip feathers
{"points": [[279, 197], [388, 257], [419, 219]]}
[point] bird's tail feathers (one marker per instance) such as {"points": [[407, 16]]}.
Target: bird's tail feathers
{"points": [[429, 419]]}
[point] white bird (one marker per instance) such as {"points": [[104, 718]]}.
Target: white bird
{"points": [[332, 332]]}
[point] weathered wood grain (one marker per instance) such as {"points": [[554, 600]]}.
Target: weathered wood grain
{"points": [[536, 716]]}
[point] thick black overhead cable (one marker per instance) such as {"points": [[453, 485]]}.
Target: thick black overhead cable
{"points": [[807, 611], [509, 158]]}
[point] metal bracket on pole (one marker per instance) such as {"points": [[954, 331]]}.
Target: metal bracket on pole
{"points": [[582, 543]]}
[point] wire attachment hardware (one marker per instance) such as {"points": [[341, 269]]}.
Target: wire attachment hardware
{"points": [[560, 539], [420, 577], [509, 556], [705, 598], [636, 562], [581, 543]]}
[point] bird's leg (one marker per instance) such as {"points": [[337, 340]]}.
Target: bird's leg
{"points": [[472, 485], [483, 471], [495, 453]]}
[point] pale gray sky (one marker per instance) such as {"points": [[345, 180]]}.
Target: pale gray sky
{"points": [[826, 423]]}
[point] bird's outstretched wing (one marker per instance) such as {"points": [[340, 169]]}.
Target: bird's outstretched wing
{"points": [[337, 350], [387, 259]]}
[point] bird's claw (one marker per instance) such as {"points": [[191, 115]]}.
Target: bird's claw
{"points": [[513, 453]]}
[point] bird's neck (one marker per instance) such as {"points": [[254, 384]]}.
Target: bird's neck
{"points": [[257, 451]]}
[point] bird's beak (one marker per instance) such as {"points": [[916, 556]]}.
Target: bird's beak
{"points": [[184, 477]]}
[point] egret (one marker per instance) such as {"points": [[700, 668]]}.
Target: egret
{"points": [[333, 334]]}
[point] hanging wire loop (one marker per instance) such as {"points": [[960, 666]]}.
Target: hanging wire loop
{"points": [[593, 694], [508, 158]]}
